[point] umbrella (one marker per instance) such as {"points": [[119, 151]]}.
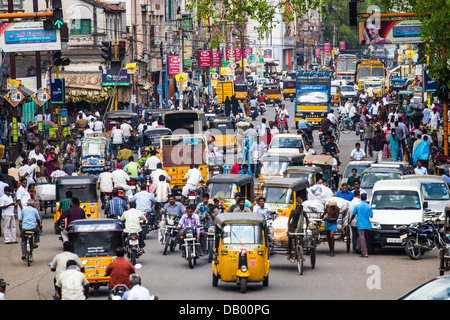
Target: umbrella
{"points": [[47, 125]]}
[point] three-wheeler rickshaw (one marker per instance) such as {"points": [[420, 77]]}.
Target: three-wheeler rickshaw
{"points": [[241, 254], [283, 194], [224, 131], [272, 92], [289, 89], [95, 241], [224, 187], [84, 188], [313, 174]]}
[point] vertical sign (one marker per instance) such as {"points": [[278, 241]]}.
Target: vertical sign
{"points": [[317, 53], [216, 58], [174, 65], [247, 52], [205, 58], [341, 45], [327, 47]]}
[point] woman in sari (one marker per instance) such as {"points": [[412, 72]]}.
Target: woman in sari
{"points": [[48, 161], [394, 143]]}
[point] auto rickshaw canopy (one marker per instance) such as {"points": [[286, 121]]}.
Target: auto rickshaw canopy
{"points": [[240, 217], [83, 187]]}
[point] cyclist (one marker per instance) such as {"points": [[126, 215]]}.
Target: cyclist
{"points": [[29, 220]]}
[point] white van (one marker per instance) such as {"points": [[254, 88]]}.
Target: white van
{"points": [[394, 203]]}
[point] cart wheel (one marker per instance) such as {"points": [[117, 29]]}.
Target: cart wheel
{"points": [[215, 280], [313, 257], [299, 257]]}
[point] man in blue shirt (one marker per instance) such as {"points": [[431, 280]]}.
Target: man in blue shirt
{"points": [[365, 213], [345, 193], [305, 126], [116, 206], [29, 220], [245, 170]]}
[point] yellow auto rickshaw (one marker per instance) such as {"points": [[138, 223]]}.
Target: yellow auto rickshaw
{"points": [[241, 90], [95, 241], [224, 131], [224, 187], [82, 187], [283, 194], [272, 92], [312, 174], [289, 89], [241, 253], [335, 94]]}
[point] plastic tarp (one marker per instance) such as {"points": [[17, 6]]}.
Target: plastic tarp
{"points": [[280, 229], [320, 193], [46, 192]]}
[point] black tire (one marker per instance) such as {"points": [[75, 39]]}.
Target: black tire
{"points": [[413, 253], [215, 280], [243, 282], [166, 245], [190, 258], [133, 257], [313, 257], [266, 281], [299, 256], [30, 252], [323, 141], [211, 251], [347, 238]]}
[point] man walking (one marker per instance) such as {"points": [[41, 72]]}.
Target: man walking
{"points": [[364, 212]]}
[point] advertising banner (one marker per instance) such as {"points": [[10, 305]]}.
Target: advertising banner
{"points": [[317, 53], [405, 31], [341, 45], [57, 90], [247, 52], [174, 65], [112, 77], [327, 47], [216, 58], [267, 54], [204, 58], [28, 36]]}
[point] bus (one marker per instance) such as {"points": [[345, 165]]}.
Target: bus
{"points": [[373, 69], [346, 67]]}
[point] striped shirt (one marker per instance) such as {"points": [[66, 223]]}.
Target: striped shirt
{"points": [[192, 221], [116, 206]]}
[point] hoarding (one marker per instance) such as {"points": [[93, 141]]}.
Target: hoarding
{"points": [[205, 58], [112, 77], [174, 65], [384, 32]]}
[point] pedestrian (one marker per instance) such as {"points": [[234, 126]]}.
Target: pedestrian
{"points": [[353, 224], [420, 169], [234, 105], [3, 285], [386, 149], [8, 218], [72, 283], [394, 145], [369, 130], [117, 140], [119, 270], [29, 220], [137, 291], [227, 106], [345, 193], [364, 213], [378, 143], [422, 152], [330, 216]]}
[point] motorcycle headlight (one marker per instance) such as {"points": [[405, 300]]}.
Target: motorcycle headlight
{"points": [[376, 225], [189, 235]]}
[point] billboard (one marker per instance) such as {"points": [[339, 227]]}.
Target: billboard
{"points": [[28, 36], [216, 58], [204, 58], [174, 63], [384, 32], [112, 77]]}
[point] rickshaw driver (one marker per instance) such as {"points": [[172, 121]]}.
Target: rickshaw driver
{"points": [[296, 221], [190, 219], [330, 216], [73, 213]]}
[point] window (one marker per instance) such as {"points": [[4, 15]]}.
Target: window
{"points": [[80, 27], [242, 234], [396, 200]]}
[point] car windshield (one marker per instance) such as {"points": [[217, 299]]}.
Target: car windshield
{"points": [[286, 143], [359, 170], [222, 190], [395, 200], [435, 191], [277, 194], [242, 234], [347, 88], [312, 98], [274, 168], [368, 179], [436, 289]]}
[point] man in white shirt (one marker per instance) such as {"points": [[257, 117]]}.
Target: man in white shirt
{"points": [[419, 169], [158, 172], [36, 154], [357, 154], [105, 184], [355, 236], [162, 190], [133, 218], [8, 217], [72, 284], [127, 129], [193, 178], [57, 173], [120, 179], [137, 291], [98, 126], [152, 161], [117, 140]]}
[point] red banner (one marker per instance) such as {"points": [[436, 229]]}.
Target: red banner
{"points": [[174, 65], [204, 58], [236, 54], [341, 45], [247, 51], [216, 59], [317, 53], [327, 47]]}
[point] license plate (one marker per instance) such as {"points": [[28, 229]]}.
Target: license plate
{"points": [[134, 242], [191, 197], [394, 240]]}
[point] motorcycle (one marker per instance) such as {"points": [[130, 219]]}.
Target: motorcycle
{"points": [[253, 113], [146, 183], [170, 233], [210, 229], [132, 245], [134, 185], [117, 292], [262, 108], [438, 157], [282, 127], [322, 137], [305, 136], [191, 246], [419, 238]]}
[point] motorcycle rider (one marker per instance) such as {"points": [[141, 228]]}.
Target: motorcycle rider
{"points": [[132, 219], [120, 180], [305, 126], [282, 115], [116, 206], [262, 207], [191, 219], [193, 178], [105, 185], [144, 201], [210, 214], [203, 207], [172, 208]]}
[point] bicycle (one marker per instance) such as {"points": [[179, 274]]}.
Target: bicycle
{"points": [[29, 240]]}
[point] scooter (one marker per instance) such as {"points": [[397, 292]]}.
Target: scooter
{"points": [[253, 113], [262, 108]]}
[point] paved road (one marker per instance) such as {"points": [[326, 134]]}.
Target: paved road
{"points": [[385, 275]]}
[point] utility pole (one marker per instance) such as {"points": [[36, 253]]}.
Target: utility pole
{"points": [[12, 57], [445, 102]]}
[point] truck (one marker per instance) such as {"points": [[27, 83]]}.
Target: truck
{"points": [[224, 89], [346, 67], [312, 96]]}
